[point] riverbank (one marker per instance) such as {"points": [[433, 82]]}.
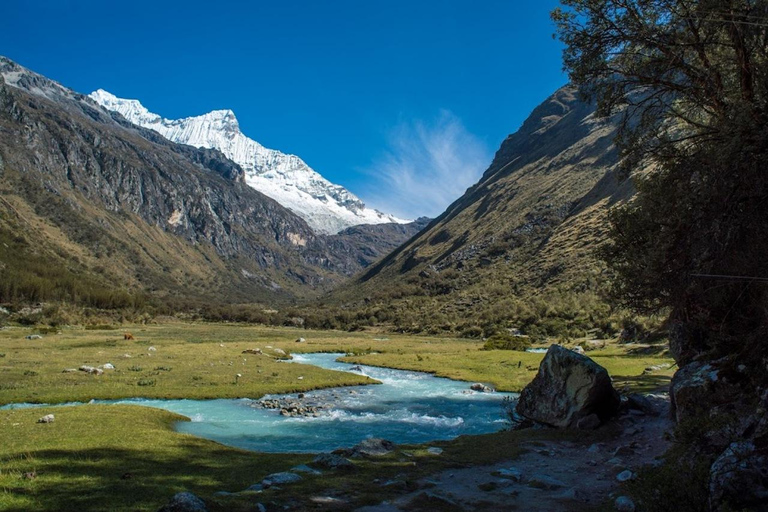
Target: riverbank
{"points": [[203, 361], [129, 458]]}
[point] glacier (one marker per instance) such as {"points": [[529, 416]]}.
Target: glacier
{"points": [[327, 208]]}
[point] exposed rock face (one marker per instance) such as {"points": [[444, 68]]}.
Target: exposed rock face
{"points": [[567, 388], [124, 193]]}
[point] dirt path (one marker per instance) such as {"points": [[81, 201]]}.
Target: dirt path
{"points": [[553, 475]]}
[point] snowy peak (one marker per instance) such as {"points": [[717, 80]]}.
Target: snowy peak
{"points": [[328, 208]]}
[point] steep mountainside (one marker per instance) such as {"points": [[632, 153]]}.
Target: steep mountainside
{"points": [[94, 199], [527, 229], [327, 208]]}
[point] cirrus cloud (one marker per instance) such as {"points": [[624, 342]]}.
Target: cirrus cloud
{"points": [[426, 166]]}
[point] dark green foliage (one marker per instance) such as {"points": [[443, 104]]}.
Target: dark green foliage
{"points": [[691, 81], [504, 341]]}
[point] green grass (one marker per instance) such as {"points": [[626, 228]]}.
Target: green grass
{"points": [[115, 457], [80, 459]]}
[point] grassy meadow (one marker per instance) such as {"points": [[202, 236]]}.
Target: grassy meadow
{"points": [[105, 457]]}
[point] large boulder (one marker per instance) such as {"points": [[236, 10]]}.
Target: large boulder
{"points": [[739, 479], [569, 387]]}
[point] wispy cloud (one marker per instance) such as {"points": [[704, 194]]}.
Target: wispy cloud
{"points": [[426, 166]]}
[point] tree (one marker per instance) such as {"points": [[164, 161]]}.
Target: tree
{"points": [[688, 80]]}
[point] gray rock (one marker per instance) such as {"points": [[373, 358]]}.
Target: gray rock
{"points": [[624, 504], [513, 474], [738, 479], [48, 418], [639, 402], [372, 447], [34, 337], [625, 476], [91, 370], [280, 479], [184, 502], [480, 388], [300, 340], [545, 482], [590, 422], [434, 450], [332, 461], [623, 451], [567, 388], [305, 469], [692, 390]]}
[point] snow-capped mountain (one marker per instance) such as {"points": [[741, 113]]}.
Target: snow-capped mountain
{"points": [[327, 208]]}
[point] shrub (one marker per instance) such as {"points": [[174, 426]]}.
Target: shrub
{"points": [[506, 342]]}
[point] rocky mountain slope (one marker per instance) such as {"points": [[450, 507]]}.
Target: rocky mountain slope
{"points": [[528, 228], [104, 201], [327, 208]]}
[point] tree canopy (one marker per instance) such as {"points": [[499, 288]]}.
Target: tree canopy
{"points": [[688, 80]]}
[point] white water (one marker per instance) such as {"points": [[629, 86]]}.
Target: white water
{"points": [[407, 407]]}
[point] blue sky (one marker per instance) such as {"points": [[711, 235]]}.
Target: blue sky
{"points": [[402, 102]]}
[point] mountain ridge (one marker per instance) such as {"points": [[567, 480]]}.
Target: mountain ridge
{"points": [[327, 207]]}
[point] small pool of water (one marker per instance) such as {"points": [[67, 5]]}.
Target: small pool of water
{"points": [[408, 407]]}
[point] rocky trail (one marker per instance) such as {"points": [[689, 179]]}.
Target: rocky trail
{"points": [[551, 475]]}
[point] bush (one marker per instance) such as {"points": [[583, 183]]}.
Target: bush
{"points": [[506, 342]]}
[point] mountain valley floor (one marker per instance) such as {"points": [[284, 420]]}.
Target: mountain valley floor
{"points": [[120, 457]]}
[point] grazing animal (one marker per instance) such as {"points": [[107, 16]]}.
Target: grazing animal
{"points": [[127, 336]]}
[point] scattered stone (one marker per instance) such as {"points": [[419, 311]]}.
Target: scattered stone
{"points": [[69, 370], [545, 482], [91, 370], [108, 366], [152, 349], [624, 504], [303, 468], [260, 507], [638, 402], [256, 351], [434, 450], [625, 476], [280, 479], [590, 422], [513, 474], [594, 448], [481, 388], [279, 351], [300, 340], [48, 418], [255, 488], [328, 500], [34, 337], [332, 461], [623, 451], [372, 447], [568, 387], [184, 502]]}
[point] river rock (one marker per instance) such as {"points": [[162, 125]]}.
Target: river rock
{"points": [[280, 479], [481, 388], [184, 502], [332, 461], [567, 388], [624, 504], [371, 447]]}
